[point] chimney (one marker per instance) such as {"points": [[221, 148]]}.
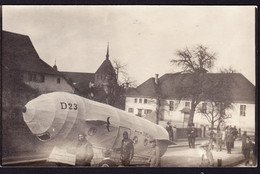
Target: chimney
{"points": [[156, 79], [126, 85], [55, 67]]}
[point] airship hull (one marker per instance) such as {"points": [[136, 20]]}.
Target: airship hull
{"points": [[57, 118]]}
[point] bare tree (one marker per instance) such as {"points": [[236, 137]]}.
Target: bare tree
{"points": [[196, 62], [120, 68], [219, 97]]}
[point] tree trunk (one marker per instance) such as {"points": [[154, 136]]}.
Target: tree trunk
{"points": [[192, 111], [212, 125], [157, 111]]}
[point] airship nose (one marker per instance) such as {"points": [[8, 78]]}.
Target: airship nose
{"points": [[38, 115]]}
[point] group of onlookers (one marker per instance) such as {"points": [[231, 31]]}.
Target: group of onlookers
{"points": [[226, 138]]}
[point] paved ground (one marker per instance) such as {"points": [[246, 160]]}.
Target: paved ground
{"points": [[180, 155]]}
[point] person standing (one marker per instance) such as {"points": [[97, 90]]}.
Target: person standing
{"points": [[169, 130], [247, 150], [193, 134], [189, 135], [84, 151], [219, 140], [234, 132], [155, 158], [243, 139], [229, 140], [212, 135], [126, 149]]}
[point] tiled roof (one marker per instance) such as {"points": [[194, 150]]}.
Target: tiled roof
{"points": [[106, 68], [148, 89], [19, 54], [242, 88], [80, 80]]}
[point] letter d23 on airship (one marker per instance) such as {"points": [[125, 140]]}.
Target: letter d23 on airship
{"points": [[57, 118]]}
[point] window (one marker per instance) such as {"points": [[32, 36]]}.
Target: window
{"points": [[58, 80], [145, 100], [187, 104], [34, 77], [242, 110], [131, 110], [171, 106], [147, 111], [140, 100], [204, 107], [135, 100], [221, 108], [139, 112]]}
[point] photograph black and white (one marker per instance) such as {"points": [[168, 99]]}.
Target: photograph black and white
{"points": [[129, 86]]}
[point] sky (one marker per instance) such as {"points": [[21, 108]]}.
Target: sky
{"points": [[143, 37]]}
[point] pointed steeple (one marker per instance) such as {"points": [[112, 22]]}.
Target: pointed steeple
{"points": [[107, 56]]}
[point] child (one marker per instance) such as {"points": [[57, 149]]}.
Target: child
{"points": [[155, 159], [207, 157]]}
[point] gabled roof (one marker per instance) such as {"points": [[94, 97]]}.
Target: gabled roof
{"points": [[242, 88], [106, 68], [80, 80], [148, 89], [19, 54]]}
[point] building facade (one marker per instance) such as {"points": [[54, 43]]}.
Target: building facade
{"points": [[141, 101], [20, 56]]}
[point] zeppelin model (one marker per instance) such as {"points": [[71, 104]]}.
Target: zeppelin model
{"points": [[57, 118]]}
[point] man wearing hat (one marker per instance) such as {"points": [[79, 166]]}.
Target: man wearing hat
{"points": [[169, 130], [126, 149]]}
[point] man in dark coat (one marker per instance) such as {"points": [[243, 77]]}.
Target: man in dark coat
{"points": [[191, 133], [248, 147], [234, 132], [229, 140], [169, 129], [243, 139]]}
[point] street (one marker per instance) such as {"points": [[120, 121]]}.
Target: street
{"points": [[184, 156]]}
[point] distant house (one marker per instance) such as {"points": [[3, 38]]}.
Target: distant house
{"points": [[20, 56], [142, 100]]}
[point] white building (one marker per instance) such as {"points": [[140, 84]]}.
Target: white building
{"points": [[142, 100]]}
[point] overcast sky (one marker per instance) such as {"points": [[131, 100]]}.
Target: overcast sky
{"points": [[144, 37]]}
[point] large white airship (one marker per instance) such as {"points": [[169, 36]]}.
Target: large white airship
{"points": [[57, 118]]}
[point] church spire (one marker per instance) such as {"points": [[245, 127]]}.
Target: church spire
{"points": [[107, 56]]}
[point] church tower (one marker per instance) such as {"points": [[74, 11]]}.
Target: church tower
{"points": [[105, 75]]}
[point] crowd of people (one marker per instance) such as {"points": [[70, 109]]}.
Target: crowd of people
{"points": [[226, 138]]}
